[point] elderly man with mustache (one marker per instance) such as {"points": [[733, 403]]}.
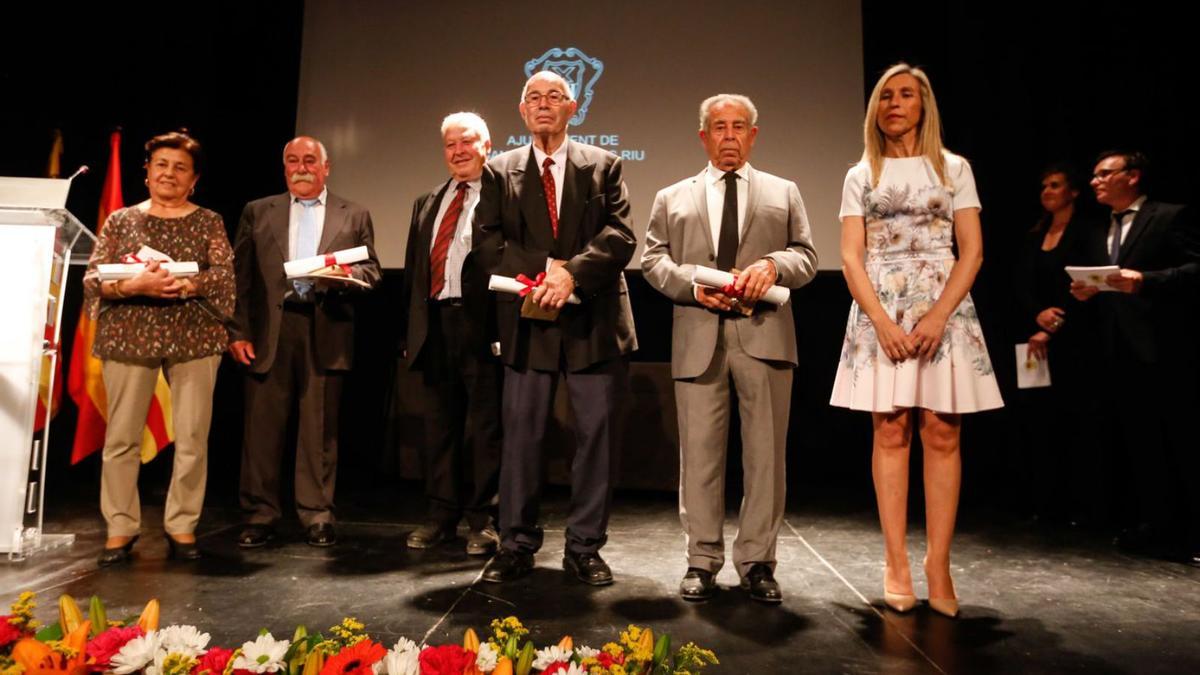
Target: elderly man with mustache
{"points": [[296, 339]]}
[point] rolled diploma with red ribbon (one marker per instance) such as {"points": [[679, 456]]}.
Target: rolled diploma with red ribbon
{"points": [[710, 278], [129, 270], [511, 285], [306, 266]]}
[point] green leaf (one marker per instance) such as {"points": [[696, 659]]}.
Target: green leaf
{"points": [[51, 632]]}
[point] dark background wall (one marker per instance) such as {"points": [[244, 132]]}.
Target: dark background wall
{"points": [[1019, 85]]}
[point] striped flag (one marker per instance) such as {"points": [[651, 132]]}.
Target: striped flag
{"points": [[85, 382]]}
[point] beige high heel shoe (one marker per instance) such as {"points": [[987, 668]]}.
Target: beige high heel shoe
{"points": [[945, 606], [900, 602]]}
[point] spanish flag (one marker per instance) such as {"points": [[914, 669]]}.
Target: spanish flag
{"points": [[85, 382]]}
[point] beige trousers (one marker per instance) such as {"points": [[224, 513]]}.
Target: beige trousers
{"points": [[130, 386], [764, 392]]}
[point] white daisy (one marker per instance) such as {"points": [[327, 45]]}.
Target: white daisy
{"points": [[264, 655], [550, 655], [184, 640], [487, 657], [135, 654], [400, 662], [575, 669], [585, 652]]}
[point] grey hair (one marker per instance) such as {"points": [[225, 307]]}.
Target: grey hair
{"points": [[469, 121], [721, 99], [554, 76], [320, 147]]}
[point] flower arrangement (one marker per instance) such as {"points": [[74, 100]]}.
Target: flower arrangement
{"points": [[84, 646]]}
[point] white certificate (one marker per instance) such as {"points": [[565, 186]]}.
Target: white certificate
{"points": [[1093, 276], [710, 278], [1031, 372], [511, 285]]}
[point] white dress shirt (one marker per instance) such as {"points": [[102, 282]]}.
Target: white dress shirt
{"points": [[1126, 222], [714, 188], [294, 220], [460, 246], [558, 170]]}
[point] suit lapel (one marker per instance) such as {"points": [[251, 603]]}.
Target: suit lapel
{"points": [[700, 199], [532, 199], [752, 196], [427, 222], [277, 223], [1140, 222], [335, 222], [576, 177]]}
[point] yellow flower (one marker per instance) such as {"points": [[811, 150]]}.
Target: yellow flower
{"points": [[177, 664], [22, 612], [612, 649], [630, 637]]}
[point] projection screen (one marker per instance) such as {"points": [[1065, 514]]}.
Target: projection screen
{"points": [[378, 77]]}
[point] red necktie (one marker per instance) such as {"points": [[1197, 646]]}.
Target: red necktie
{"points": [[441, 245], [551, 194]]}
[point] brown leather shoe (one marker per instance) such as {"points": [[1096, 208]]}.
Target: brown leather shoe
{"points": [[697, 585], [760, 583]]}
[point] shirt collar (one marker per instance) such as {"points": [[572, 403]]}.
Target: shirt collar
{"points": [[559, 156], [715, 175], [1137, 204], [321, 198]]}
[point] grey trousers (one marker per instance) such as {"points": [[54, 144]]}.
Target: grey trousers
{"points": [[764, 392]]}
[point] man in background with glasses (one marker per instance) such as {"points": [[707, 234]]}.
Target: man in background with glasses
{"points": [[1148, 348], [556, 213]]}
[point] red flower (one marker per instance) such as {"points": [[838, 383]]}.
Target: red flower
{"points": [[556, 667], [8, 632], [445, 660], [356, 659], [607, 659], [213, 662], [105, 645]]}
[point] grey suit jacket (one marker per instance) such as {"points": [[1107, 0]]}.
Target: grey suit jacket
{"points": [[260, 248], [679, 237]]}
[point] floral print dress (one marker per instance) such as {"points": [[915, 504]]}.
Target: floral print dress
{"points": [[909, 223]]}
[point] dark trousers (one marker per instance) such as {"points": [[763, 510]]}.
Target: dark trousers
{"points": [[462, 382], [595, 395], [1136, 417], [295, 385]]}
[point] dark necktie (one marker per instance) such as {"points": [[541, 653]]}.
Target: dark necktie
{"points": [[1114, 249], [727, 245], [441, 244], [551, 194]]}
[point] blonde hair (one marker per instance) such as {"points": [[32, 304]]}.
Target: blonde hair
{"points": [[929, 128]]}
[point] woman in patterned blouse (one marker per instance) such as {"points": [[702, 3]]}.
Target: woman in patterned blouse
{"points": [[156, 321]]}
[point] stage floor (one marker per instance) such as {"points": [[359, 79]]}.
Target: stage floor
{"points": [[1033, 600]]}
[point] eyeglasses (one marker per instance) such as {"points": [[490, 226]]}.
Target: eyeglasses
{"points": [[553, 98], [1105, 174]]}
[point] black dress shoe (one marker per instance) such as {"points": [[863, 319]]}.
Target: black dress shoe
{"points": [[483, 541], [1192, 558], [429, 535], [508, 565], [697, 584], [255, 535], [120, 554], [589, 568], [179, 550], [322, 535], [761, 584]]}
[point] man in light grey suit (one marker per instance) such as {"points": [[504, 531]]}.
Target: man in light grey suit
{"points": [[734, 218]]}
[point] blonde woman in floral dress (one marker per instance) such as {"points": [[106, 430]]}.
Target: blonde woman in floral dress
{"points": [[914, 353]]}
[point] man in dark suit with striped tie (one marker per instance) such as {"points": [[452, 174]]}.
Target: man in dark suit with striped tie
{"points": [[1147, 342], [448, 338], [558, 208]]}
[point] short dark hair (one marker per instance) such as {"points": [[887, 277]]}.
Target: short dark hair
{"points": [[1135, 160], [178, 140], [1074, 180]]}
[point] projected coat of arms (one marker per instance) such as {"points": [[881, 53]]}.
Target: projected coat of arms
{"points": [[578, 69]]}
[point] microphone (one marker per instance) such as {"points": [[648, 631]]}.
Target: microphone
{"points": [[83, 168]]}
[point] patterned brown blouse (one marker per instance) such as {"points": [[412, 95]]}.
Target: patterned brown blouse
{"points": [[143, 327]]}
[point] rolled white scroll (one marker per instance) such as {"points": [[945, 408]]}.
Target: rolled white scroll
{"points": [[510, 285], [710, 278], [306, 266]]}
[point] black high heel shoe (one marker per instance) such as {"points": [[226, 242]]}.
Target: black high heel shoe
{"points": [[120, 554], [178, 550]]}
